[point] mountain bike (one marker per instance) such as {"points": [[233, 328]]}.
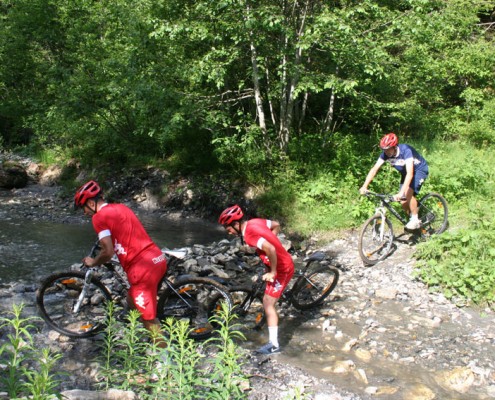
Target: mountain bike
{"points": [[74, 302], [377, 236], [311, 286]]}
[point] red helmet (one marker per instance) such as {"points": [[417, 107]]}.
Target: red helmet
{"points": [[388, 141], [85, 192], [230, 215]]}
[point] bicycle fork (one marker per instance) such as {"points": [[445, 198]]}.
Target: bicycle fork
{"points": [[381, 231], [84, 291]]}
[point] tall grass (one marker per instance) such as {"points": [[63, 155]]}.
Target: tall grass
{"points": [[129, 360], [184, 370], [28, 369]]}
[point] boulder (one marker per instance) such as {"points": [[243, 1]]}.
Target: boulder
{"points": [[12, 175]]}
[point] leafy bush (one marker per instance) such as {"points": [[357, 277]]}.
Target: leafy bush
{"points": [[459, 170], [460, 263]]}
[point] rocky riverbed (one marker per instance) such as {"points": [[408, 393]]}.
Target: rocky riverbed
{"points": [[380, 335]]}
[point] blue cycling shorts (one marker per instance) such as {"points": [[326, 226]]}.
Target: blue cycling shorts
{"points": [[417, 181]]}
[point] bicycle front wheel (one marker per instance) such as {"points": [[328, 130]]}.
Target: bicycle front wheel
{"points": [[313, 287], [57, 297], [433, 214], [194, 300], [375, 239], [248, 307]]}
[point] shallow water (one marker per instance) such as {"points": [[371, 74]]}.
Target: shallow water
{"points": [[32, 249]]}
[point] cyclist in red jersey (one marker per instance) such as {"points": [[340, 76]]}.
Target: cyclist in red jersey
{"points": [[262, 234], [120, 232]]}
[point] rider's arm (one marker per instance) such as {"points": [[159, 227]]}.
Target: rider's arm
{"points": [[105, 255], [371, 175], [269, 250], [407, 179], [275, 227]]}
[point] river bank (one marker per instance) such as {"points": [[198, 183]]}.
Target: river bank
{"points": [[381, 334]]}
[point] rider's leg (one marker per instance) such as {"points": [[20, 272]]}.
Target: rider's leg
{"points": [[271, 318], [410, 204], [152, 325]]}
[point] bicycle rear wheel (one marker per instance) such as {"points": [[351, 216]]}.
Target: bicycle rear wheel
{"points": [[313, 287], [375, 239], [433, 214], [195, 300], [56, 298], [248, 308]]}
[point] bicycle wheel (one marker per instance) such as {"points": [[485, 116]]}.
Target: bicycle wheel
{"points": [[57, 296], [313, 287], [433, 213], [195, 300], [375, 240], [248, 308]]}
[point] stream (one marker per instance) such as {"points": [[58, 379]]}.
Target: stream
{"points": [[32, 249]]}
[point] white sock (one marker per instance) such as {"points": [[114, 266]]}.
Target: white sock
{"points": [[414, 217], [273, 335]]}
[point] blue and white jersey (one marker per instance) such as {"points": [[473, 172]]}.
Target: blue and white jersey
{"points": [[399, 160]]}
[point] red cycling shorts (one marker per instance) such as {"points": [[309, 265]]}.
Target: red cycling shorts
{"points": [[276, 288], [144, 276]]}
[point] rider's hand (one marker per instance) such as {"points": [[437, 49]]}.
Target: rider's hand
{"points": [[363, 190], [268, 277], [88, 261], [399, 197]]}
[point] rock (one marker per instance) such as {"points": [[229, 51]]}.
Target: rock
{"points": [[112, 394], [12, 175], [459, 379], [419, 392]]}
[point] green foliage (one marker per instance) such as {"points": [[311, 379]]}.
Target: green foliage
{"points": [[460, 264], [184, 369], [28, 368], [190, 85], [459, 171], [112, 333], [123, 350], [227, 365], [476, 123]]}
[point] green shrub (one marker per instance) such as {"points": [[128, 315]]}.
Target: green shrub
{"points": [[460, 263]]}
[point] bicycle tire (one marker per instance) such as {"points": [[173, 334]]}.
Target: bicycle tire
{"points": [[373, 248], [433, 214], [311, 289], [56, 297], [199, 299], [249, 316]]}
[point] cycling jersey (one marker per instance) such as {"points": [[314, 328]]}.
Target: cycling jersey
{"points": [[256, 232], [129, 236], [404, 153], [142, 260]]}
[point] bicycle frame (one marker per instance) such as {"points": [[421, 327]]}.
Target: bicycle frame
{"points": [[259, 285], [385, 201], [122, 279]]}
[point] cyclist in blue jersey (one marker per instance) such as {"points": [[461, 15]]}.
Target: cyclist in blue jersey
{"points": [[413, 169]]}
